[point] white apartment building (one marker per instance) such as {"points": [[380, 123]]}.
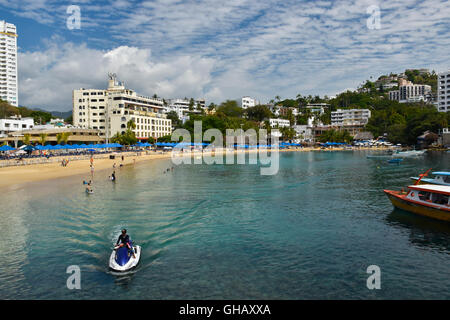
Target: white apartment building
{"points": [[110, 110], [350, 117], [409, 92], [443, 88], [274, 123], [305, 132], [8, 63], [318, 107], [248, 102], [181, 106], [15, 124]]}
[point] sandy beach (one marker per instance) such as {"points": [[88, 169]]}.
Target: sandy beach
{"points": [[15, 175]]}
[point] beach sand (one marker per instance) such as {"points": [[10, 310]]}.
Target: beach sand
{"points": [[10, 176], [15, 175]]}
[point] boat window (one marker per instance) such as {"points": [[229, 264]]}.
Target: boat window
{"points": [[446, 179], [440, 198], [424, 196]]}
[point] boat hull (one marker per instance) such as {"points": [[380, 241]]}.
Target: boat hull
{"points": [[399, 202]]}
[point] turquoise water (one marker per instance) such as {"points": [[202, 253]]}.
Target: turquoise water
{"points": [[226, 232]]}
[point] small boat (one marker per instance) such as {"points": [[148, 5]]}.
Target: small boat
{"points": [[411, 153], [396, 160], [441, 178], [121, 258], [427, 200], [89, 191]]}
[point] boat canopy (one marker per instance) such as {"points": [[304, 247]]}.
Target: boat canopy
{"points": [[441, 173], [431, 188]]}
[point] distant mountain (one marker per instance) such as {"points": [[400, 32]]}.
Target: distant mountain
{"points": [[57, 114]]}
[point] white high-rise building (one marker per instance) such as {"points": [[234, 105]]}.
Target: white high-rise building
{"points": [[110, 110], [353, 117], [409, 92], [8, 63], [443, 89]]}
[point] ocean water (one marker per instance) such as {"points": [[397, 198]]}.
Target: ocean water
{"points": [[227, 232]]}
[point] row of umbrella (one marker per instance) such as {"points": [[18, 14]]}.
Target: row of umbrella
{"points": [[64, 147], [246, 146], [139, 144], [328, 144], [76, 146]]}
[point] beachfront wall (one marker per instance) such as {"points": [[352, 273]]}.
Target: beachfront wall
{"points": [[77, 135]]}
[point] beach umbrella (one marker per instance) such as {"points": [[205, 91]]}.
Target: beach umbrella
{"points": [[6, 148], [29, 148]]}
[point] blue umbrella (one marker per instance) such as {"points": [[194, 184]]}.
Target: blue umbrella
{"points": [[6, 148]]}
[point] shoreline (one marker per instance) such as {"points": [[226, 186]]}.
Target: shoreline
{"points": [[17, 175]]}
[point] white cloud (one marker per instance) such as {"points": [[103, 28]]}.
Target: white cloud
{"points": [[227, 49], [48, 77]]}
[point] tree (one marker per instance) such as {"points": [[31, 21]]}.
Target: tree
{"points": [[59, 138], [128, 137], [290, 117], [258, 113], [65, 136], [131, 125], [287, 133], [172, 115], [26, 139], [191, 104], [43, 138], [230, 108]]}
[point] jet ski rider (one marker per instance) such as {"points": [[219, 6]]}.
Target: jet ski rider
{"points": [[124, 240]]}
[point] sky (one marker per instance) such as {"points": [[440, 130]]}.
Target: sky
{"points": [[221, 50]]}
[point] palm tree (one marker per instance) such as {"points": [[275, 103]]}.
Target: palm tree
{"points": [[131, 125], [59, 137], [26, 139], [43, 138], [65, 136]]}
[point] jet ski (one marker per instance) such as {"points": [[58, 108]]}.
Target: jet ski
{"points": [[122, 260]]}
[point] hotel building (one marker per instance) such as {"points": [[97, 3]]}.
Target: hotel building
{"points": [[110, 110], [409, 92], [182, 106], [14, 124], [8, 63], [274, 123], [443, 89], [350, 117]]}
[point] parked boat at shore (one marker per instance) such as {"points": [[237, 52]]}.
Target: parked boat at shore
{"points": [[410, 153], [441, 178], [427, 200]]}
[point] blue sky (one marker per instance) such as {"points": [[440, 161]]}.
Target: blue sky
{"points": [[221, 49]]}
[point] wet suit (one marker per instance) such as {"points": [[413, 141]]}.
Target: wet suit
{"points": [[126, 241], [123, 239]]}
